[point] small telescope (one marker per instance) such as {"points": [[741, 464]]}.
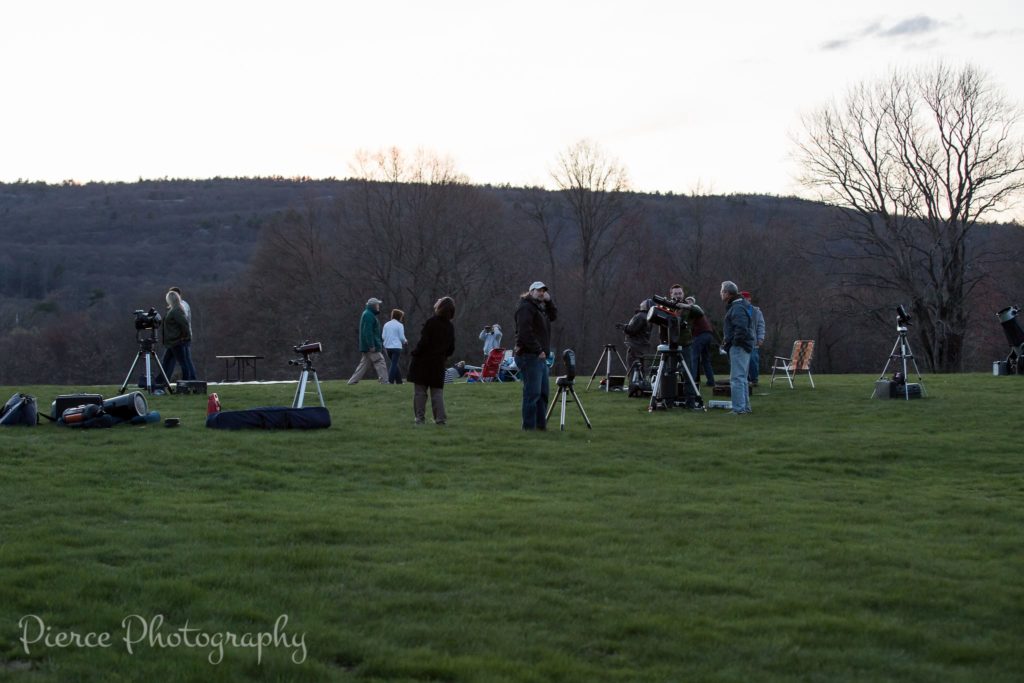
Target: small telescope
{"points": [[307, 347], [902, 317]]}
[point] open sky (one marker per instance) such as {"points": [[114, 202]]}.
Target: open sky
{"points": [[682, 93]]}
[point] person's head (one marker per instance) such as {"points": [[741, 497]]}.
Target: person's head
{"points": [[178, 291], [745, 295], [445, 307], [496, 327], [729, 291], [397, 314], [538, 291], [173, 299], [374, 303], [675, 292]]}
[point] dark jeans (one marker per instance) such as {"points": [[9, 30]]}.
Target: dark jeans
{"points": [[182, 355], [703, 345], [394, 370], [534, 373]]}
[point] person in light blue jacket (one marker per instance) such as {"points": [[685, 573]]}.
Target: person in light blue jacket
{"points": [[739, 337]]}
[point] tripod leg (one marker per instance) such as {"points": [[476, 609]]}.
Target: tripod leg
{"points": [[300, 391], [160, 367], [620, 359], [693, 385], [318, 391], [580, 406], [130, 371], [594, 373], [552, 406], [892, 354], [608, 367], [561, 426], [656, 386]]}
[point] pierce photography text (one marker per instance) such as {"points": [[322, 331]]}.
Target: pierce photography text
{"points": [[138, 632]]}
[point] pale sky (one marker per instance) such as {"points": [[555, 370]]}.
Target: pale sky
{"points": [[681, 93]]}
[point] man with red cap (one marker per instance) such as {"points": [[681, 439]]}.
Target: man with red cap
{"points": [[755, 356]]}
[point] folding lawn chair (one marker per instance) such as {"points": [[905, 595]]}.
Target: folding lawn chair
{"points": [[799, 359]]}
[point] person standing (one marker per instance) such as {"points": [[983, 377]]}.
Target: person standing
{"points": [[394, 341], [755, 355], [690, 313], [186, 347], [176, 334], [370, 344], [426, 372], [738, 338], [638, 336], [703, 343], [491, 337], [534, 316]]}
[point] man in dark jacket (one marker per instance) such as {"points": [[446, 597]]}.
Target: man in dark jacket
{"points": [[638, 336], [739, 338], [534, 316], [371, 344]]}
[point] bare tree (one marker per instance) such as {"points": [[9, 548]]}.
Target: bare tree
{"points": [[594, 187], [913, 162]]}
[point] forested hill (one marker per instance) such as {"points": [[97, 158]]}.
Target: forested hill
{"points": [[267, 262], [77, 241], [71, 244]]}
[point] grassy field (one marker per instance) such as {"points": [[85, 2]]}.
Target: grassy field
{"points": [[827, 537]]}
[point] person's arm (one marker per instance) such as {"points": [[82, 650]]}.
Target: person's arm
{"points": [[760, 327]]}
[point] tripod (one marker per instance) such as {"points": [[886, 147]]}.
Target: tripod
{"points": [[606, 355], [307, 371], [146, 351], [664, 390], [565, 389], [902, 355]]}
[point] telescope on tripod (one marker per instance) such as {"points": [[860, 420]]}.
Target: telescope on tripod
{"points": [[146, 323], [306, 348], [1013, 365], [898, 357]]}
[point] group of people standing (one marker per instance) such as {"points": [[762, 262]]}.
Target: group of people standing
{"points": [[742, 334], [436, 344], [697, 339]]}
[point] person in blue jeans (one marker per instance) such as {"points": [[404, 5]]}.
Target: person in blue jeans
{"points": [[738, 338], [534, 316], [393, 336], [755, 356]]}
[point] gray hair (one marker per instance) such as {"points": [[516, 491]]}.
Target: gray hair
{"points": [[729, 287], [173, 299]]}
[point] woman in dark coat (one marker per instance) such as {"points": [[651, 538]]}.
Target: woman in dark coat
{"points": [[436, 344]]}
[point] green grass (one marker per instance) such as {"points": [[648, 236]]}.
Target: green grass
{"points": [[827, 537]]}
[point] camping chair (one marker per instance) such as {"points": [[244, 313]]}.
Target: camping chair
{"points": [[508, 366], [490, 368], [799, 359]]}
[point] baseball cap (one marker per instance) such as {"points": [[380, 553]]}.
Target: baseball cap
{"points": [[373, 300], [538, 285], [745, 295]]}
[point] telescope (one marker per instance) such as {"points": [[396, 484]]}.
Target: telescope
{"points": [[307, 347]]}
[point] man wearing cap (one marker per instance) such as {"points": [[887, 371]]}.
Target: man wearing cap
{"points": [[533, 344], [755, 355], [370, 344]]}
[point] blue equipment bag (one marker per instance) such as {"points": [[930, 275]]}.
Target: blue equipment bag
{"points": [[315, 417], [20, 410]]}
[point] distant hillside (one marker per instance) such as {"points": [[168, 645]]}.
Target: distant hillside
{"points": [[82, 257]]}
